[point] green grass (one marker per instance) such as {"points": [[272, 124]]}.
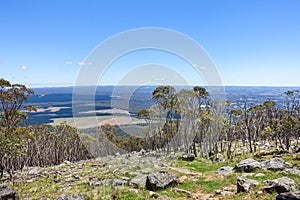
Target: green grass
{"points": [[201, 166]]}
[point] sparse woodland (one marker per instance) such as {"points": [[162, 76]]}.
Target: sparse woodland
{"points": [[188, 121], [185, 121], [32, 145]]}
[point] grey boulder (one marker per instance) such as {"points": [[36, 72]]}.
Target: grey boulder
{"points": [[7, 192], [248, 165], [245, 185], [224, 171], [160, 180], [289, 196], [275, 164], [280, 185]]}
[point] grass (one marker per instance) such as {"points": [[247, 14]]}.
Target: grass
{"points": [[205, 184]]}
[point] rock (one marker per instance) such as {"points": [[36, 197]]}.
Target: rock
{"points": [[160, 180], [139, 180], [296, 149], [75, 176], [222, 193], [280, 185], [245, 185], [259, 175], [153, 194], [182, 179], [7, 192], [136, 191], [33, 171], [224, 171], [100, 183], [71, 197], [178, 190], [44, 198], [247, 165], [289, 196], [292, 171], [119, 182], [188, 157], [275, 164]]}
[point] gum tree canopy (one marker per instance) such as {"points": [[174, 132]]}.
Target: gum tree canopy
{"points": [[12, 97]]}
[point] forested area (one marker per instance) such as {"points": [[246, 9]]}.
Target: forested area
{"points": [[42, 145], [188, 121]]}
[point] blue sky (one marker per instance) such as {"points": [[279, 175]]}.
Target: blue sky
{"points": [[252, 42]]}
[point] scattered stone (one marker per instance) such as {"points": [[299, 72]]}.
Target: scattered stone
{"points": [[280, 185], [182, 179], [139, 180], [136, 191], [100, 183], [160, 180], [75, 176], [297, 149], [275, 164], [247, 165], [292, 171], [33, 171], [153, 194], [289, 196], [245, 185], [222, 193], [44, 198], [188, 157], [71, 197], [119, 182], [224, 171], [259, 175], [178, 190], [7, 192]]}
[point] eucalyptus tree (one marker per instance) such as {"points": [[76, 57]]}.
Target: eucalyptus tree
{"points": [[165, 96], [12, 113], [189, 114]]}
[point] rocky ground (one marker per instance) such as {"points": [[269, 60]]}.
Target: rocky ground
{"points": [[159, 176]]}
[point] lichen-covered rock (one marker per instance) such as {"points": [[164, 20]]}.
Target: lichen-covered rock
{"points": [[160, 180], [224, 171], [280, 185], [275, 164], [139, 180], [7, 192], [248, 165], [245, 185], [292, 171], [289, 196]]}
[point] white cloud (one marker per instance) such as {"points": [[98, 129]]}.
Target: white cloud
{"points": [[83, 63], [24, 67], [69, 63]]}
